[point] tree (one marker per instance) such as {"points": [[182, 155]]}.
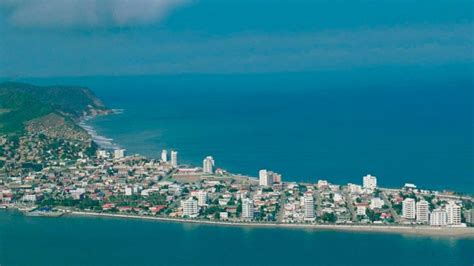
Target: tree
{"points": [[329, 217]]}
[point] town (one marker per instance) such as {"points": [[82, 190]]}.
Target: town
{"points": [[74, 180]]}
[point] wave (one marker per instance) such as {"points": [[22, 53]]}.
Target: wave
{"points": [[102, 141], [118, 111]]}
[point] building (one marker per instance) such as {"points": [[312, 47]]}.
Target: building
{"points": [[308, 202], [174, 158], [369, 181], [361, 209], [208, 165], [202, 198], [119, 153], [454, 213], [102, 154], [422, 211], [128, 191], [247, 209], [164, 156], [190, 207], [469, 216], [265, 178], [438, 218], [353, 188], [277, 178], [376, 203], [408, 208]]}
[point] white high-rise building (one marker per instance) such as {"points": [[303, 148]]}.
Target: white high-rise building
{"points": [[247, 209], [164, 156], [190, 207], [454, 213], [308, 206], [202, 198], [208, 165], [438, 218], [408, 208], [174, 158], [369, 181], [422, 211], [119, 153], [265, 178]]}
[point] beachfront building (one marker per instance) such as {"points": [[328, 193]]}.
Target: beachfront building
{"points": [[453, 213], [408, 208], [247, 209], [422, 211], [469, 214], [202, 198], [265, 178], [174, 158], [119, 153], [190, 207], [164, 156], [208, 165], [438, 218], [308, 204], [369, 181]]}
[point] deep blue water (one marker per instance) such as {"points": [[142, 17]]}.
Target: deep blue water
{"points": [[106, 241], [400, 124]]}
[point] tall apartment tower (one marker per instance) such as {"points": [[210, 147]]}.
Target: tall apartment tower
{"points": [[164, 156], [308, 206], [265, 178], [438, 218], [247, 209], [454, 213], [208, 165], [422, 211], [190, 207], [408, 208], [174, 158], [369, 181], [202, 198]]}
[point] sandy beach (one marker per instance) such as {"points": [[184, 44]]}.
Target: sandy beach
{"points": [[456, 232]]}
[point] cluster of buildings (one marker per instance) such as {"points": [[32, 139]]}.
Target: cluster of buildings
{"points": [[268, 178], [419, 211], [114, 182]]}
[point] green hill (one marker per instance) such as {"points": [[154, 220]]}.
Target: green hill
{"points": [[21, 103]]}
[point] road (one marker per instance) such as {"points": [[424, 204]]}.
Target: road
{"points": [[350, 206], [387, 202]]}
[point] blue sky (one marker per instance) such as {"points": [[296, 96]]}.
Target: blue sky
{"points": [[47, 38]]}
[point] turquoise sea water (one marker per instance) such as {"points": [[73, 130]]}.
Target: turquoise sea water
{"points": [[409, 127], [403, 125], [106, 241]]}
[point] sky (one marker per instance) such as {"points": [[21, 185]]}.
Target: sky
{"points": [[50, 38]]}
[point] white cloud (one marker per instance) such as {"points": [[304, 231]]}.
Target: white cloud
{"points": [[86, 13]]}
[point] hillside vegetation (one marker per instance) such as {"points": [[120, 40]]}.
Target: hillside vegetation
{"points": [[24, 104]]}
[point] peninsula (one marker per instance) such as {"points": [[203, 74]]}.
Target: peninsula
{"points": [[50, 166]]}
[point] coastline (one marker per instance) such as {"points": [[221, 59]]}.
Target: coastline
{"points": [[451, 232], [102, 141]]}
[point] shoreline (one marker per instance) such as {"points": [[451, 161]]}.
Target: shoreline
{"points": [[451, 232], [101, 141]]}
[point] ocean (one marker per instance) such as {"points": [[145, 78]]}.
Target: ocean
{"points": [[109, 241], [305, 126], [402, 125]]}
